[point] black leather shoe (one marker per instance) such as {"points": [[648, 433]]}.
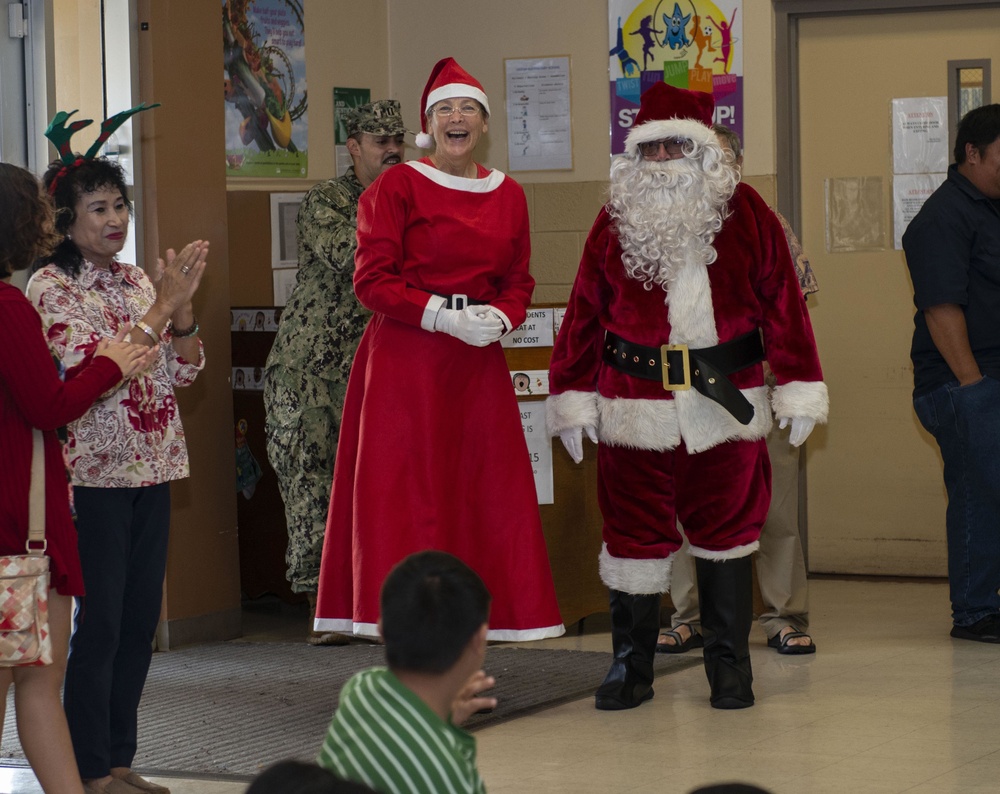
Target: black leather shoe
{"points": [[985, 630], [617, 698]]}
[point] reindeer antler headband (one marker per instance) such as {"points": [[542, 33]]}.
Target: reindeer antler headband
{"points": [[60, 133]]}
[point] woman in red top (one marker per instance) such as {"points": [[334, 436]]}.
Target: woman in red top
{"points": [[32, 395]]}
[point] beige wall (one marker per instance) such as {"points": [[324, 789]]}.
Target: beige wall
{"points": [[876, 496], [391, 45], [481, 35], [184, 193], [77, 56]]}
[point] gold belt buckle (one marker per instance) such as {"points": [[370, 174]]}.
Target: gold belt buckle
{"points": [[683, 349]]}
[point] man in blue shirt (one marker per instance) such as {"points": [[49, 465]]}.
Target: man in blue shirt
{"points": [[953, 252]]}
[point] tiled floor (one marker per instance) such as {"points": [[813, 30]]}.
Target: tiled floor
{"points": [[888, 704]]}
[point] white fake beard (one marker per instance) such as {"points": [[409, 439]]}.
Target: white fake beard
{"points": [[668, 213]]}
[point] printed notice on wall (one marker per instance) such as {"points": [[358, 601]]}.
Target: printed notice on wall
{"points": [[854, 214], [530, 382], [909, 192], [535, 331], [538, 118], [284, 282], [539, 447], [920, 135]]}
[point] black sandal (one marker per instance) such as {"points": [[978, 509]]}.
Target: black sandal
{"points": [[680, 646], [780, 644]]}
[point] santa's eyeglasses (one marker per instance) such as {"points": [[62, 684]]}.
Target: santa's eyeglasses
{"points": [[673, 147]]}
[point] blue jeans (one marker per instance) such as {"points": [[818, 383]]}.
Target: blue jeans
{"points": [[965, 422], [123, 550]]}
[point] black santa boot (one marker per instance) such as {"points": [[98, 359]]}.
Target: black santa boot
{"points": [[725, 592], [635, 624]]}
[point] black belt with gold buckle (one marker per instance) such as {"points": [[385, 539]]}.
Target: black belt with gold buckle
{"points": [[679, 368]]}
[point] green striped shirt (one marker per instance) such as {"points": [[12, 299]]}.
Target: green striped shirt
{"points": [[386, 737]]}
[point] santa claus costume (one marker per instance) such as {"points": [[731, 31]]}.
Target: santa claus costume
{"points": [[684, 287], [431, 452]]}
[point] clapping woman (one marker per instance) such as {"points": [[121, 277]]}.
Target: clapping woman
{"points": [[32, 395], [123, 453]]}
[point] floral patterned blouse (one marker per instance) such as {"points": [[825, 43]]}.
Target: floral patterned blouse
{"points": [[132, 436]]}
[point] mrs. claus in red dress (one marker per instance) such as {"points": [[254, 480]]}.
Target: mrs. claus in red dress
{"points": [[431, 452]]}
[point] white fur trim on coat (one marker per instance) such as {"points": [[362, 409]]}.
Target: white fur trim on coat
{"points": [[726, 554], [570, 409], [660, 425], [801, 398], [637, 577], [667, 128]]}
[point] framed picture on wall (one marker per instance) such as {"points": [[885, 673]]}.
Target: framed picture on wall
{"points": [[284, 248]]}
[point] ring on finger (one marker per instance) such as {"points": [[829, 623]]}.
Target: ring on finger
{"points": [[185, 269]]}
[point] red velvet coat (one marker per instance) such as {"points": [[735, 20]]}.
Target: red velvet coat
{"points": [[752, 284]]}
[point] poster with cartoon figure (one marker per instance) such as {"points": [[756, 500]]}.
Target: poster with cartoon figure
{"points": [[264, 82], [694, 44]]}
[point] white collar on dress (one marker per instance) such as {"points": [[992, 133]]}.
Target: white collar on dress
{"points": [[487, 184]]}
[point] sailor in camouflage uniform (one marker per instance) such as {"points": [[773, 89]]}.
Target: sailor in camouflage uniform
{"points": [[306, 375]]}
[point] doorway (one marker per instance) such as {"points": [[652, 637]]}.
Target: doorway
{"points": [[876, 498]]}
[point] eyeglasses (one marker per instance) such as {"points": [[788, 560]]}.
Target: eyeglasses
{"points": [[674, 146], [444, 111]]}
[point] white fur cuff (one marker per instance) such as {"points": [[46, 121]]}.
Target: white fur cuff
{"points": [[801, 398], [570, 409], [637, 577], [726, 554]]}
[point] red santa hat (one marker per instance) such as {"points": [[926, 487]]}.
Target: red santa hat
{"points": [[448, 80], [666, 111]]}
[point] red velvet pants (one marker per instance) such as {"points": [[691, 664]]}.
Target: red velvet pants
{"points": [[721, 497]]}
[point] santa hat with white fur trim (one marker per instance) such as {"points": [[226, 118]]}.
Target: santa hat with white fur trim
{"points": [[448, 80], [666, 111]]}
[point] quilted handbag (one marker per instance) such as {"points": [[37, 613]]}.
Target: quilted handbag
{"points": [[24, 583]]}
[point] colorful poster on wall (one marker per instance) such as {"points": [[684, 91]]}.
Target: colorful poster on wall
{"points": [[265, 88], [695, 44]]}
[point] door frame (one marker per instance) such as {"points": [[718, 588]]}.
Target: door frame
{"points": [[787, 14]]}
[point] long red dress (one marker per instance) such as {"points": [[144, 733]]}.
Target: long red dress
{"points": [[32, 395], [431, 452]]}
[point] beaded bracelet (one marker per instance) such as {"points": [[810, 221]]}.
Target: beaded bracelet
{"points": [[148, 331], [184, 333]]}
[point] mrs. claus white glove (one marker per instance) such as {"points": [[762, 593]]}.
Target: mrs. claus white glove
{"points": [[468, 326]]}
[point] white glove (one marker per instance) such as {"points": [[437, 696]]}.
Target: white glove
{"points": [[572, 439], [485, 310], [802, 426], [468, 326]]}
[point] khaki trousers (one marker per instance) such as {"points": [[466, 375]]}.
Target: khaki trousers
{"points": [[781, 570]]}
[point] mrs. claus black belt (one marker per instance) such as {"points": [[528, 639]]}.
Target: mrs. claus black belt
{"points": [[458, 301], [679, 368]]}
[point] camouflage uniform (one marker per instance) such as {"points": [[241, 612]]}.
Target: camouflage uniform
{"points": [[305, 379]]}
